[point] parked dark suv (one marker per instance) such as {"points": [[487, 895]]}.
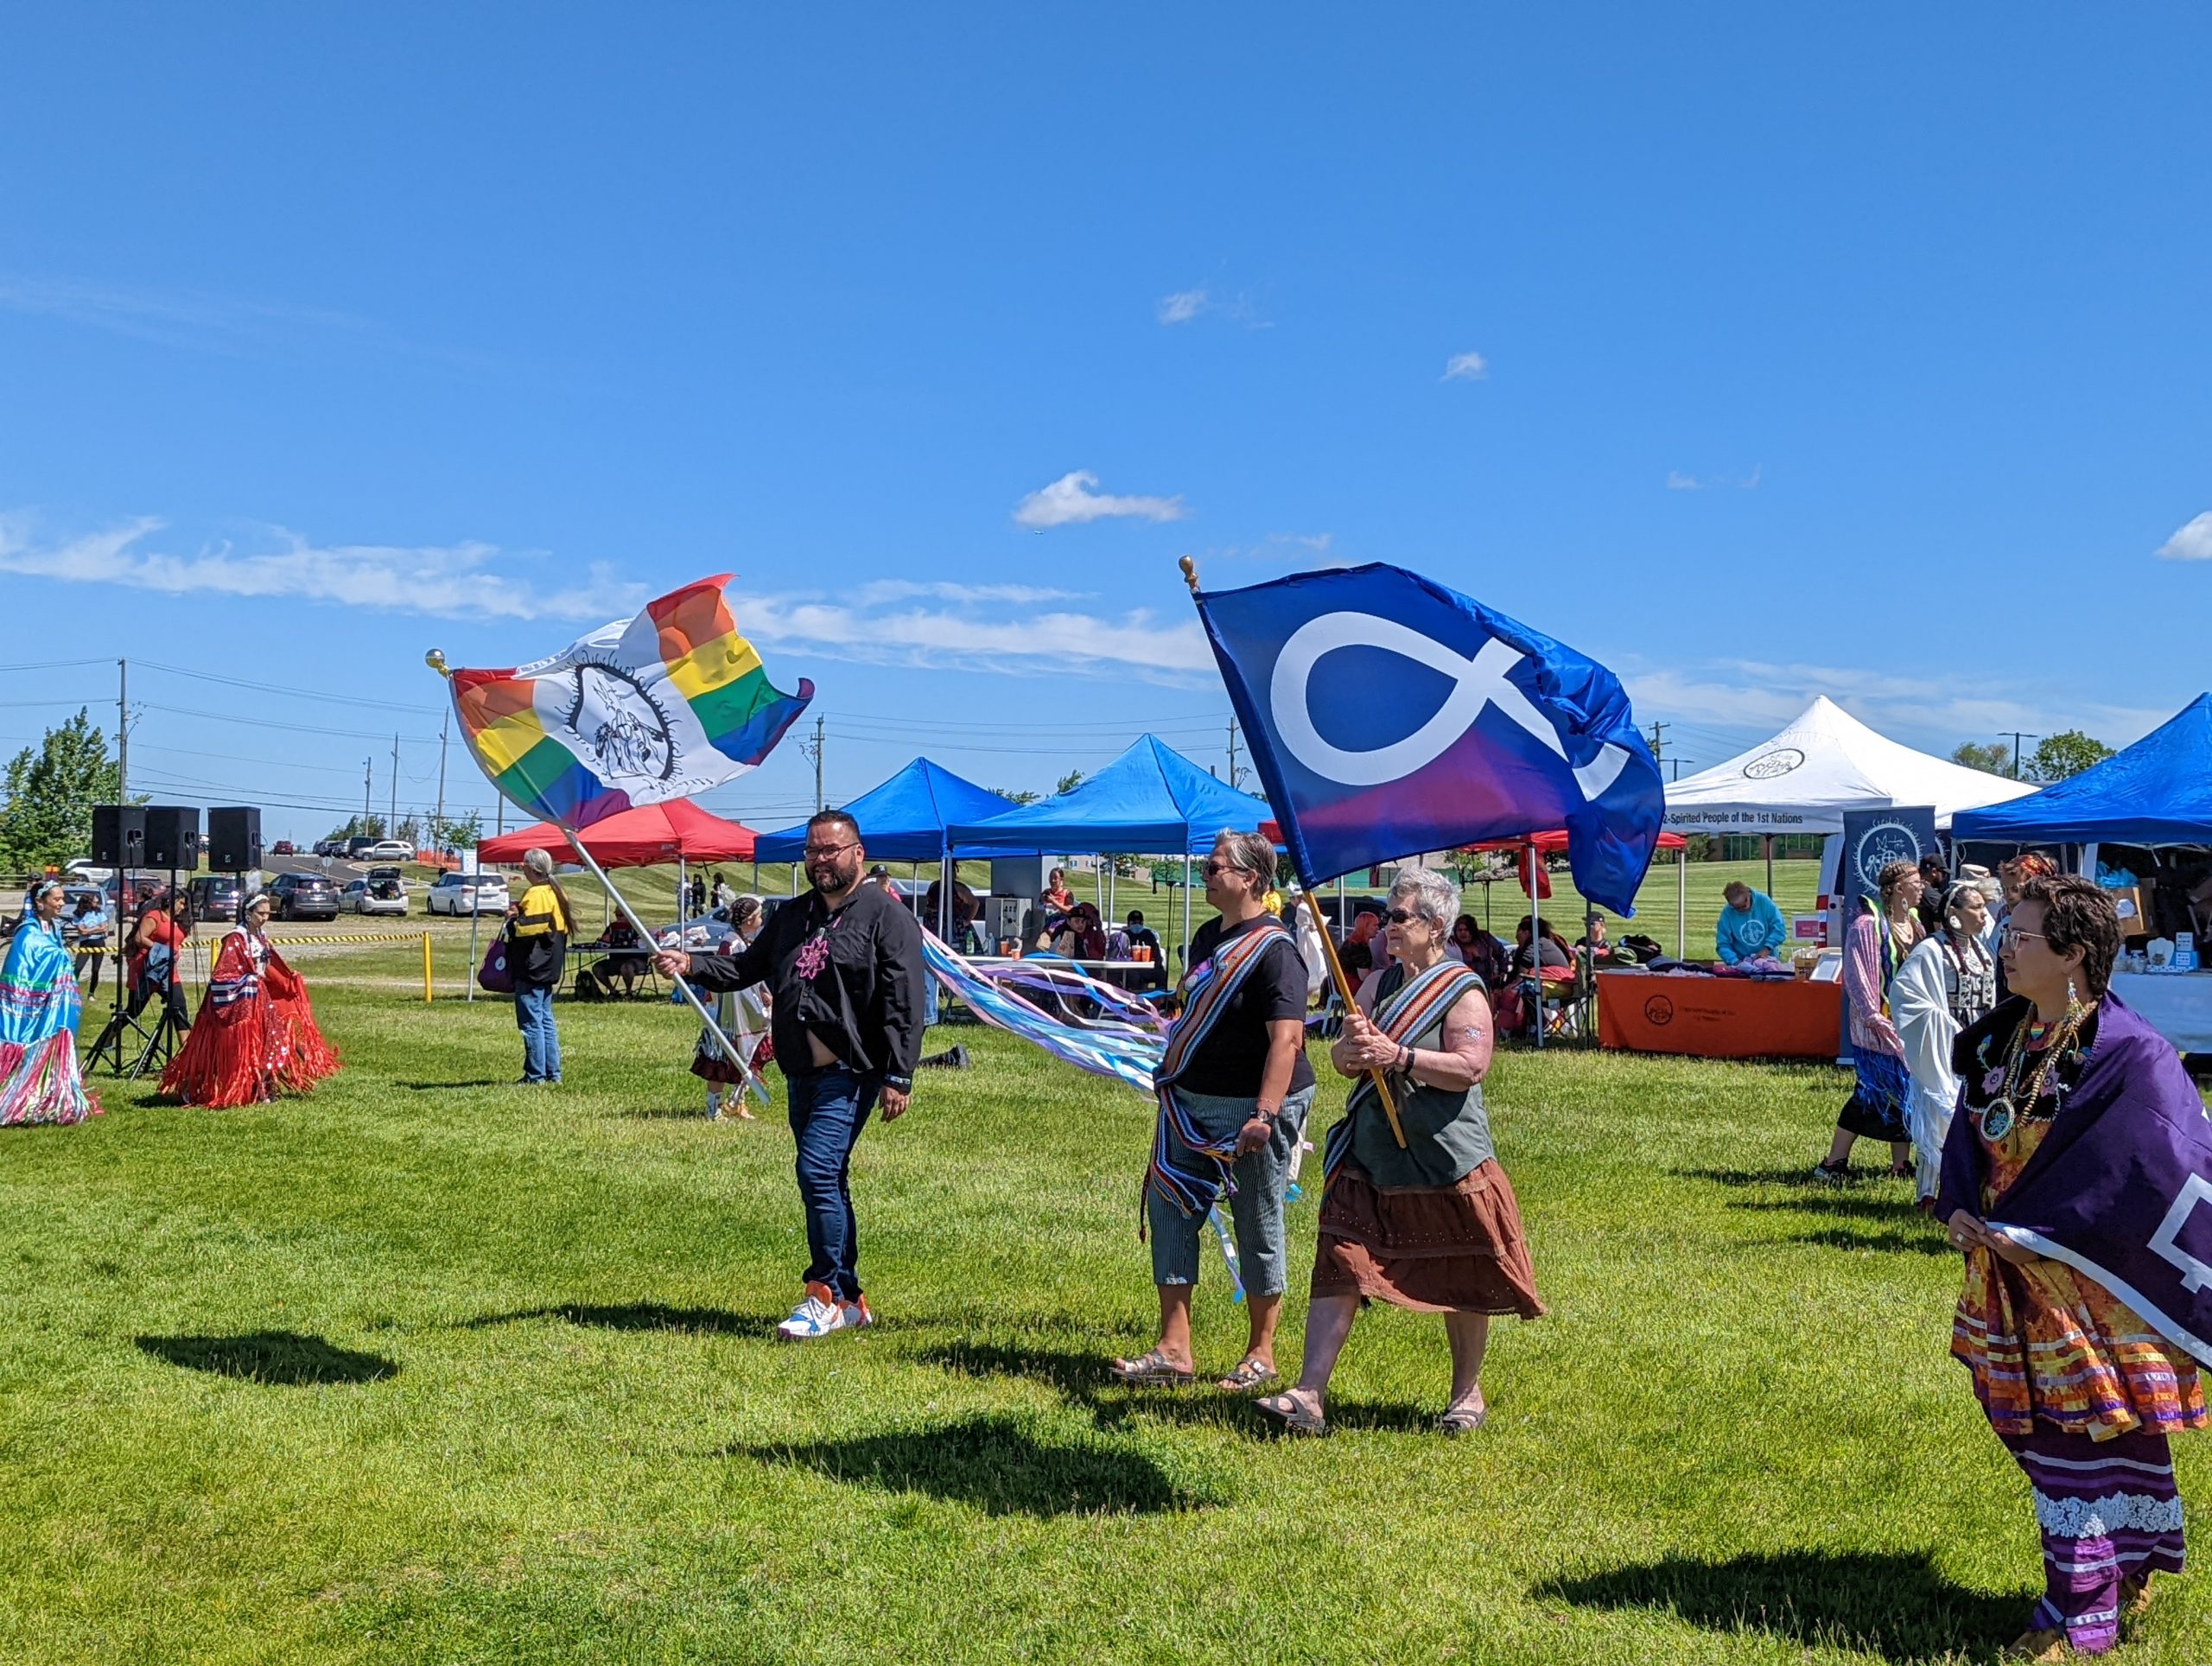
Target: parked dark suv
{"points": [[303, 896], [215, 896]]}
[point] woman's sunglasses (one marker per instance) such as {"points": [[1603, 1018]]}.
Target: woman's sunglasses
{"points": [[1402, 917]]}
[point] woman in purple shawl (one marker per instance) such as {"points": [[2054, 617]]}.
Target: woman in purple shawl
{"points": [[2072, 1184]]}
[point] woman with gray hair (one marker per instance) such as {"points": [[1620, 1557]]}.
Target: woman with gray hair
{"points": [[1234, 1090], [1427, 1222], [537, 950]]}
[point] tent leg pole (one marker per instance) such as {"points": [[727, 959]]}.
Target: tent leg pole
{"points": [[1187, 912], [1682, 906], [1536, 943], [1768, 840]]}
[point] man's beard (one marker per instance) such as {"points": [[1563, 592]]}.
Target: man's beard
{"points": [[835, 876]]}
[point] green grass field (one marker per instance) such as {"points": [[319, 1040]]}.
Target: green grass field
{"points": [[433, 1368]]}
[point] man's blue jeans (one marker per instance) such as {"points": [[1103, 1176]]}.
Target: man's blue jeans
{"points": [[829, 1109], [541, 1042]]}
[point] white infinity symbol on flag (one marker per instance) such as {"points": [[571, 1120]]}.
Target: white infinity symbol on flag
{"points": [[1477, 682]]}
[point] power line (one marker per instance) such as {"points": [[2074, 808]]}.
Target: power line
{"points": [[297, 694]]}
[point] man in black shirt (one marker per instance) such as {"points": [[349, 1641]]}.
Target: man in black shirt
{"points": [[843, 966]]}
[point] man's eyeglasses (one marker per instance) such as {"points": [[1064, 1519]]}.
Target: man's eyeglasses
{"points": [[2010, 936], [813, 850]]}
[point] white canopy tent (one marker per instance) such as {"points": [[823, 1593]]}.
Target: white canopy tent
{"points": [[1826, 762]]}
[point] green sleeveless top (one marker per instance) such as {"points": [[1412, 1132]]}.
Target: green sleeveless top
{"points": [[1447, 1130]]}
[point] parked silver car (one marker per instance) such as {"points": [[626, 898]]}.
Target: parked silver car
{"points": [[382, 892]]}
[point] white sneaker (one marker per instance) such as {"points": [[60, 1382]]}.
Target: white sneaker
{"points": [[821, 1314]]}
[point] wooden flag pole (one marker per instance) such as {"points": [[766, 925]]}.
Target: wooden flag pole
{"points": [[1345, 991]]}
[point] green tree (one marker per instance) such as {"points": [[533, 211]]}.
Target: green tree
{"points": [[463, 834], [2070, 753], [47, 818], [1991, 757], [1025, 796], [1069, 781]]}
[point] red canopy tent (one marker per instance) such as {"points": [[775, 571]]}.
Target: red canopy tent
{"points": [[676, 831]]}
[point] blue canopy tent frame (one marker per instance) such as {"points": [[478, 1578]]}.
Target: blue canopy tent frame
{"points": [[1151, 798], [907, 818], [2156, 792]]}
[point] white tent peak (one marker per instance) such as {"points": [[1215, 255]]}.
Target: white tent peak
{"points": [[1824, 762]]}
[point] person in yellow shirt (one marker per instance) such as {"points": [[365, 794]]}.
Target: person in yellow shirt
{"points": [[537, 952]]}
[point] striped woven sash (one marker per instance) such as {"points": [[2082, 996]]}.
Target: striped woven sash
{"points": [[1194, 1191], [1412, 1016]]}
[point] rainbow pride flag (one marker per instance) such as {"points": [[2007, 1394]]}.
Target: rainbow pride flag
{"points": [[646, 709]]}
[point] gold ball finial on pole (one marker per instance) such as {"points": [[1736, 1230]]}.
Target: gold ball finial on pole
{"points": [[1190, 573], [435, 659]]}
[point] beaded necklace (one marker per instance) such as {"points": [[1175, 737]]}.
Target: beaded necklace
{"points": [[2004, 1111]]}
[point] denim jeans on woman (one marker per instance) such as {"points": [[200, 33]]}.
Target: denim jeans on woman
{"points": [[829, 1109], [1255, 1207], [541, 1041]]}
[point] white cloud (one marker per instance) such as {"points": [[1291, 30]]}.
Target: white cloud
{"points": [[450, 580], [1182, 307], [2192, 542], [1071, 499], [906, 589], [1678, 481], [1466, 367], [1135, 644], [1318, 543]]}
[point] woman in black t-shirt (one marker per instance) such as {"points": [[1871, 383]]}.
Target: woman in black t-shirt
{"points": [[1235, 1090]]}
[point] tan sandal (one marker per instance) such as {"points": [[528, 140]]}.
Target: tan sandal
{"points": [[1152, 1371], [1249, 1374]]}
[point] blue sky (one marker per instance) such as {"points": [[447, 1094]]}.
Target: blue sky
{"points": [[1759, 355]]}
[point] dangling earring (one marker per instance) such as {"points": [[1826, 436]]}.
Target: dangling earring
{"points": [[2073, 1003]]}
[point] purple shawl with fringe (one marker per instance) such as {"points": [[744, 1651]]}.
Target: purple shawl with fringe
{"points": [[2120, 1189]]}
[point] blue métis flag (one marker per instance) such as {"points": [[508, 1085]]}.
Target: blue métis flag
{"points": [[1389, 715]]}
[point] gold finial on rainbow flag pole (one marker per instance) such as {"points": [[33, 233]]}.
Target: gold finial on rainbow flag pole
{"points": [[435, 659]]}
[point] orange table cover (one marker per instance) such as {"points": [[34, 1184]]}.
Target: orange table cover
{"points": [[1719, 1017]]}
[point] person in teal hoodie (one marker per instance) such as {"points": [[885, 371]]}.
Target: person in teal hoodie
{"points": [[1750, 925]]}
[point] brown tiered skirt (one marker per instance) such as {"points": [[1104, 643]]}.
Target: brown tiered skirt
{"points": [[1455, 1249]]}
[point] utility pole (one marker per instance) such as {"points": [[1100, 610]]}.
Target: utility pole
{"points": [[2017, 737], [391, 827], [123, 731], [1678, 763], [1232, 751], [444, 723], [368, 775], [813, 749], [1658, 741]]}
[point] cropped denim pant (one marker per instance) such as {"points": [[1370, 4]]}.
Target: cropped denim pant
{"points": [[1255, 1206]]}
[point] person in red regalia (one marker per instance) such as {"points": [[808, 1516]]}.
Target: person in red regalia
{"points": [[256, 1033]]}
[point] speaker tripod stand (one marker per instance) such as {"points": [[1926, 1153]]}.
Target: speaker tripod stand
{"points": [[157, 1045]]}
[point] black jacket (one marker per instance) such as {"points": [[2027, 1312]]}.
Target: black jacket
{"points": [[865, 1004]]}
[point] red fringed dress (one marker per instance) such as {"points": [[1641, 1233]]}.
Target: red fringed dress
{"points": [[256, 1033]]}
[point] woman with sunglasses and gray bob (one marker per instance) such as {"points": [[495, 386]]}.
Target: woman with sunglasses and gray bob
{"points": [[1417, 1210], [1234, 1090]]}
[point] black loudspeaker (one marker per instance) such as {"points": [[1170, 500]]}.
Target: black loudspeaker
{"points": [[173, 837], [234, 839], [119, 835]]}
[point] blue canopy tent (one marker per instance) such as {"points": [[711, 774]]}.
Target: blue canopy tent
{"points": [[905, 818], [1151, 799], [2157, 792]]}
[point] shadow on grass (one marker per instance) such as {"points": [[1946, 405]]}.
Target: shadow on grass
{"points": [[473, 1082], [279, 1357], [1000, 1465], [1900, 1241], [1796, 1179], [1896, 1607], [1086, 1380], [640, 1316]]}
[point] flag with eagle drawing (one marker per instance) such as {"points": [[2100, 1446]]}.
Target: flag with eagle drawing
{"points": [[663, 706]]}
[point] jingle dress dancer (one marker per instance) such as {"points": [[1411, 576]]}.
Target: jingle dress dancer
{"points": [[39, 1006], [256, 1033], [2074, 1179]]}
